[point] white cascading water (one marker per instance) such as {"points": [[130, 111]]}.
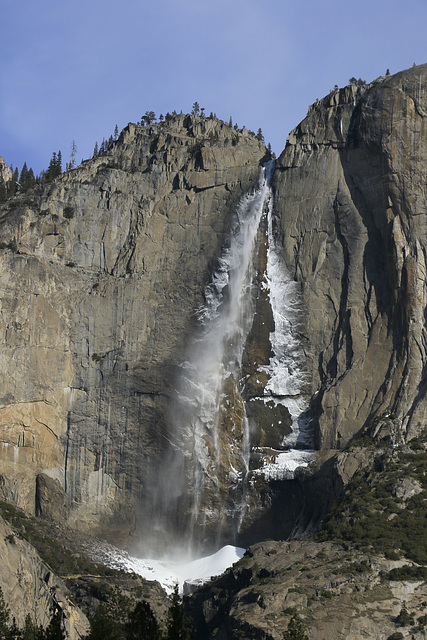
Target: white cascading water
{"points": [[226, 319]]}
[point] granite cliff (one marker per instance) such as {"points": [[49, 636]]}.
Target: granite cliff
{"points": [[110, 262], [29, 585], [350, 199], [5, 171], [116, 261]]}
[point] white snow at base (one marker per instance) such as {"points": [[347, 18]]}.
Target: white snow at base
{"points": [[167, 571]]}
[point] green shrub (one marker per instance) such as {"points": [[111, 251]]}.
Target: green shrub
{"points": [[404, 619], [13, 245], [68, 212], [295, 630], [363, 515], [409, 573], [422, 620]]}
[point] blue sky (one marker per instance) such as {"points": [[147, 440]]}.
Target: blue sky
{"points": [[73, 70]]}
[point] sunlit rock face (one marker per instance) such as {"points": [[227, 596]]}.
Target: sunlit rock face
{"points": [[97, 306], [175, 327], [350, 195], [5, 171], [29, 587]]}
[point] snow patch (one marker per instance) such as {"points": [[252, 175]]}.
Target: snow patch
{"points": [[283, 464], [167, 571]]}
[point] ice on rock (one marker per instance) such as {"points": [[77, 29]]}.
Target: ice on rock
{"points": [[286, 376]]}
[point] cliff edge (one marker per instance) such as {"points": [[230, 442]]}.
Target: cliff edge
{"points": [[350, 199]]}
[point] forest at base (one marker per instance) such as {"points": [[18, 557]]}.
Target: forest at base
{"points": [[115, 621]]}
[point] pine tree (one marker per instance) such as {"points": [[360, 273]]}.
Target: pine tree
{"points": [[95, 150], [142, 623], [31, 631], [3, 190], [31, 181], [259, 135], [23, 177], [104, 626], [12, 187], [148, 118], [116, 132], [196, 109], [54, 630], [295, 630], [52, 167], [14, 632], [177, 625], [26, 178], [4, 616]]}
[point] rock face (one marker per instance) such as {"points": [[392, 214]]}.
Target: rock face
{"points": [[337, 593], [5, 171], [100, 274], [29, 587], [362, 574], [350, 198], [112, 261]]}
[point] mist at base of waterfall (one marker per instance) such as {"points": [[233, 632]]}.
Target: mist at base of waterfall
{"points": [[174, 569]]}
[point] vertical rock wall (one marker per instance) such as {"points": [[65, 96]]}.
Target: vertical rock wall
{"points": [[30, 588], [350, 197], [100, 273]]}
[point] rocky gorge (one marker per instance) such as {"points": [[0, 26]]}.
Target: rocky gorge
{"points": [[128, 281]]}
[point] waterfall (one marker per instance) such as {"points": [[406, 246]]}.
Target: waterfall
{"points": [[215, 427], [211, 432]]}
